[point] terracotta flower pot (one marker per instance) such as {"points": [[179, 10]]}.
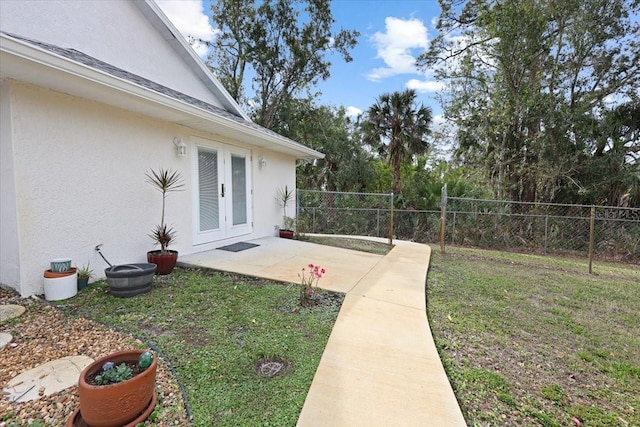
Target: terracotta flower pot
{"points": [[55, 274], [76, 420], [165, 262], [286, 234], [116, 404]]}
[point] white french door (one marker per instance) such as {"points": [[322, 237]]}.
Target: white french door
{"points": [[223, 202]]}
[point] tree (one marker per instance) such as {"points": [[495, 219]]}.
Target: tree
{"points": [[611, 175], [231, 49], [282, 44], [531, 86], [397, 128], [423, 182], [345, 166]]}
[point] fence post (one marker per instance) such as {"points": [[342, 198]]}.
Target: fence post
{"points": [[378, 222], [592, 236], [546, 228], [443, 216], [391, 220]]}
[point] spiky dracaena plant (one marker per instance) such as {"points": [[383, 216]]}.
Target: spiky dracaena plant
{"points": [[165, 181], [284, 197]]}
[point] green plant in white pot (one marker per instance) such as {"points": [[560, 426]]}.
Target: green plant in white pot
{"points": [[165, 181]]}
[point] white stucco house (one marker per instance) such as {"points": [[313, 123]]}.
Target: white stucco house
{"points": [[92, 95]]}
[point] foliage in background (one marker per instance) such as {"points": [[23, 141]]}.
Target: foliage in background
{"points": [[544, 96], [533, 340], [421, 184], [544, 228], [281, 45], [396, 127], [346, 165]]}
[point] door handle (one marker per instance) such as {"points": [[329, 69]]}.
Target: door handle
{"points": [[222, 190]]}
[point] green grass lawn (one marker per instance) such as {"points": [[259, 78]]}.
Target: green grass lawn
{"points": [[535, 340], [355, 244], [525, 339], [214, 328]]}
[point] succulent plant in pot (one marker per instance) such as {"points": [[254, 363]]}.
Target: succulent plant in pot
{"points": [[117, 390], [84, 274], [165, 181]]}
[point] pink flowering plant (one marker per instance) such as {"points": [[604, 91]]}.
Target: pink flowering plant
{"points": [[309, 278]]}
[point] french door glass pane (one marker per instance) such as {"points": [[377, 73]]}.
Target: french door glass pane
{"points": [[208, 189], [239, 189]]}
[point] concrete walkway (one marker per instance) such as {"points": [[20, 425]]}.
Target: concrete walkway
{"points": [[380, 366]]}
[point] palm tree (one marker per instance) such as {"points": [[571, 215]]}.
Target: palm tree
{"points": [[397, 127]]}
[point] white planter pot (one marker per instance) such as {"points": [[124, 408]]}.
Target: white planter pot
{"points": [[59, 288]]}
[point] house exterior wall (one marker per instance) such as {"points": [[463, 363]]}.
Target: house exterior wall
{"points": [[279, 171], [113, 31], [80, 181], [9, 255]]}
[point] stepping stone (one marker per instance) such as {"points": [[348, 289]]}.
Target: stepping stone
{"points": [[46, 379], [5, 339], [9, 311]]}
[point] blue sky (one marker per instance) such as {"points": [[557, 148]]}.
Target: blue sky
{"points": [[392, 34]]}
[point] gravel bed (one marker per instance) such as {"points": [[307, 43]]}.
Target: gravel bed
{"points": [[43, 334]]}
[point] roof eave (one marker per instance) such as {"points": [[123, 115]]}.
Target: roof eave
{"points": [[151, 102]]}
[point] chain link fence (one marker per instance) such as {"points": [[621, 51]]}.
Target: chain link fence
{"points": [[603, 232], [607, 232], [356, 214]]}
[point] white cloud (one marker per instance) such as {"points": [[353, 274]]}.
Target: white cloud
{"points": [[395, 47], [423, 86], [189, 18], [353, 111]]}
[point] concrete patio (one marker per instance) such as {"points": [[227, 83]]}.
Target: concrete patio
{"points": [[380, 366]]}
